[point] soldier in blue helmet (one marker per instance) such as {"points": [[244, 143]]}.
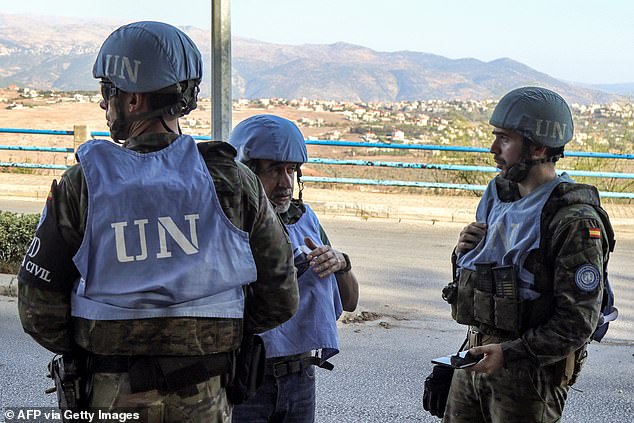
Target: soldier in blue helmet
{"points": [[274, 148], [144, 249], [530, 278]]}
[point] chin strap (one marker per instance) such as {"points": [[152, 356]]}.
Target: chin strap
{"points": [[300, 184], [519, 171]]}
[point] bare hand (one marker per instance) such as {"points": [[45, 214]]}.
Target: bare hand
{"points": [[493, 358], [324, 260], [470, 236]]}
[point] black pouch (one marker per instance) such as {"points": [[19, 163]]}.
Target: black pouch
{"points": [[436, 390], [248, 374], [462, 310], [508, 306], [483, 293], [483, 307], [507, 314]]}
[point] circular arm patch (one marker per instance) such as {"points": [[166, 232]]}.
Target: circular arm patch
{"points": [[587, 277]]}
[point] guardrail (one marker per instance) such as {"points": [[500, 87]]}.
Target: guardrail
{"points": [[80, 134]]}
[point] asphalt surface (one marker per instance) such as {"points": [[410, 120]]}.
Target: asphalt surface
{"points": [[387, 343]]}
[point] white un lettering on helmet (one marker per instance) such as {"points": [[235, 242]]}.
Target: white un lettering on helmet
{"points": [[122, 67], [550, 128]]}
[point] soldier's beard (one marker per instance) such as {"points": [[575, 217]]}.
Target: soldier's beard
{"points": [[282, 208], [282, 200]]}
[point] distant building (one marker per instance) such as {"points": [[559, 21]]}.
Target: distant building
{"points": [[369, 137], [398, 135]]}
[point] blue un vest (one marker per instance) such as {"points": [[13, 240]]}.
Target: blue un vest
{"points": [[157, 245], [513, 230], [314, 326]]}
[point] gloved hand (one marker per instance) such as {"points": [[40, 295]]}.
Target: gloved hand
{"points": [[437, 390]]}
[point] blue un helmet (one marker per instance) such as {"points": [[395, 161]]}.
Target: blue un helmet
{"points": [[269, 137], [541, 116], [150, 57]]}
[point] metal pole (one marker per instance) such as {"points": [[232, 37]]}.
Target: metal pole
{"points": [[220, 69]]}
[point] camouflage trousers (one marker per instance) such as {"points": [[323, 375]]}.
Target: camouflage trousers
{"points": [[111, 393], [508, 395]]}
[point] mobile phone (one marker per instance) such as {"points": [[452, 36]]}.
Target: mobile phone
{"points": [[460, 360], [302, 264]]}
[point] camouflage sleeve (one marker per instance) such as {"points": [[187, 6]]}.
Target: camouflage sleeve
{"points": [[46, 277], [45, 315], [274, 297], [578, 251]]}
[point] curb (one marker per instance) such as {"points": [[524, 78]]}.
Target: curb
{"points": [[366, 211]]}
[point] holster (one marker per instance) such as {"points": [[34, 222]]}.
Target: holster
{"points": [[68, 372], [568, 369], [248, 370]]}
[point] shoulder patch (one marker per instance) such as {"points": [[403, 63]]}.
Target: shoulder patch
{"points": [[587, 277], [594, 233]]}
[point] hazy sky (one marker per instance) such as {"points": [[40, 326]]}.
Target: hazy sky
{"points": [[575, 40]]}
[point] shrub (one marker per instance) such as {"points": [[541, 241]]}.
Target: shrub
{"points": [[16, 233]]}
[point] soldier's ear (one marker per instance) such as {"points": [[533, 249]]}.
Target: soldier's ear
{"points": [[539, 151], [137, 102]]}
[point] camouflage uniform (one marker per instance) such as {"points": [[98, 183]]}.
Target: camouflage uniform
{"points": [[112, 392], [541, 364], [45, 308]]}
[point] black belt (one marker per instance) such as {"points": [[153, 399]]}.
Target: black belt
{"points": [[164, 373], [287, 367]]}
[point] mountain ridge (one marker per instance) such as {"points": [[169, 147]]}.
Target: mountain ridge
{"points": [[49, 53]]}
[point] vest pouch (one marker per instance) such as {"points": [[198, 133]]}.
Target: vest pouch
{"points": [[464, 303], [483, 307], [507, 314]]}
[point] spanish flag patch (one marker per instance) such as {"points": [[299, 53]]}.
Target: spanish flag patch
{"points": [[594, 232]]}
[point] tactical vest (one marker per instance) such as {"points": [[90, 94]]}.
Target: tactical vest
{"points": [[314, 326], [531, 303], [513, 230], [157, 245]]}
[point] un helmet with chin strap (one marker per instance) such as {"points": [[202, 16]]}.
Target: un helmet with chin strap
{"points": [[269, 137], [541, 116], [150, 57]]}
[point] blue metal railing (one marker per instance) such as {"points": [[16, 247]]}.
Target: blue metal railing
{"points": [[357, 181], [456, 148], [467, 187], [464, 168], [36, 131]]}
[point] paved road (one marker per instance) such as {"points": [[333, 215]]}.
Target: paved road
{"points": [[21, 205], [378, 375]]}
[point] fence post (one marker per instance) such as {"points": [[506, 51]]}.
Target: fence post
{"points": [[81, 134]]}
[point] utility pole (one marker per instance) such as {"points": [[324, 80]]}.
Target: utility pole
{"points": [[220, 69]]}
